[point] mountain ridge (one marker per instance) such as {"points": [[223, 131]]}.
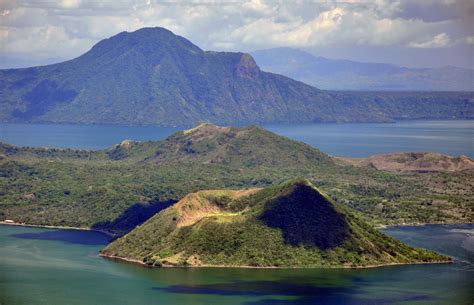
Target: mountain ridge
{"points": [[152, 76], [343, 74]]}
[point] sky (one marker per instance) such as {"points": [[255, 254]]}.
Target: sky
{"points": [[417, 33]]}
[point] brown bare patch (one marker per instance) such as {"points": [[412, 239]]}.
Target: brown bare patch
{"points": [[195, 206], [204, 130], [414, 162]]}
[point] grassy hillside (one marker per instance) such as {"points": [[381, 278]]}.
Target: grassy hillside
{"points": [[152, 76], [120, 187], [290, 225]]}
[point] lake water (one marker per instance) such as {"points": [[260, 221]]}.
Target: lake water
{"points": [[58, 267], [355, 140]]}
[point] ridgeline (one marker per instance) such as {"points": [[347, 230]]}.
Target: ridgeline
{"points": [[152, 76]]}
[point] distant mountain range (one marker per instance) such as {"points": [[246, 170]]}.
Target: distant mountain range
{"points": [[341, 74], [152, 76]]}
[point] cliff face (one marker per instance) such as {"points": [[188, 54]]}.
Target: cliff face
{"points": [[247, 67]]}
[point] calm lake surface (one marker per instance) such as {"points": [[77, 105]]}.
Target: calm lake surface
{"points": [[354, 140], [58, 267]]}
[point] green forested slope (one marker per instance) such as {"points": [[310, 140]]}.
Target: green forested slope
{"points": [[152, 76]]}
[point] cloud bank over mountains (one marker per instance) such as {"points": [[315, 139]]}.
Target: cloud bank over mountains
{"points": [[45, 31]]}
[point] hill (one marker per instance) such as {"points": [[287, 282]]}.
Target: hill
{"points": [[415, 162], [341, 74], [152, 76], [118, 188], [290, 225]]}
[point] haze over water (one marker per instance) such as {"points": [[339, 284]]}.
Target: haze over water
{"points": [[351, 139]]}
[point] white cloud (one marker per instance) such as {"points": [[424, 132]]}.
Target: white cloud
{"points": [[71, 3], [470, 39], [67, 28], [439, 41]]}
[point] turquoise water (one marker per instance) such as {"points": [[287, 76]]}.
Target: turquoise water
{"points": [[58, 267], [355, 140]]}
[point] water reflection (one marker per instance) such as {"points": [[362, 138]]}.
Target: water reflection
{"points": [[67, 236], [294, 293]]}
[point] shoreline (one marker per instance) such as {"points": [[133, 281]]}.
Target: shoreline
{"points": [[141, 263], [420, 224], [110, 234], [21, 224], [138, 262]]}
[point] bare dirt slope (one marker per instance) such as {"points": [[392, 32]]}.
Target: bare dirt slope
{"points": [[415, 162]]}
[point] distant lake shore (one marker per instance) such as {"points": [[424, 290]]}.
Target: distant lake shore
{"points": [[452, 137], [21, 224]]}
